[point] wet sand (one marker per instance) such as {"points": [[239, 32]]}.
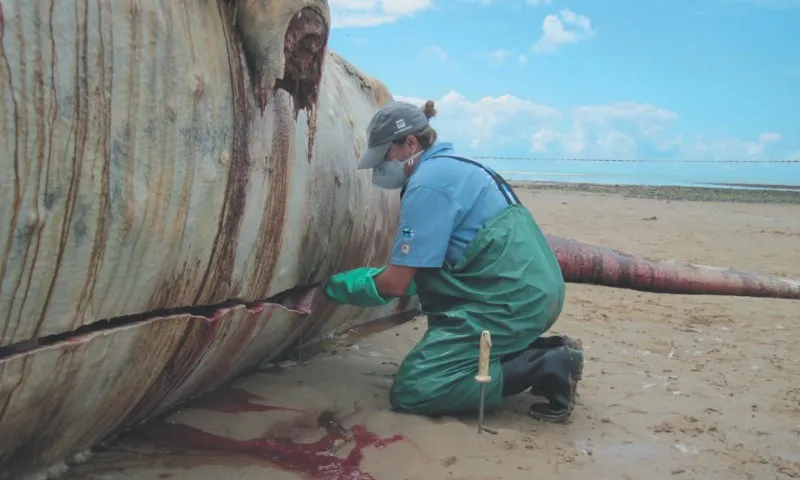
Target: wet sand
{"points": [[675, 386]]}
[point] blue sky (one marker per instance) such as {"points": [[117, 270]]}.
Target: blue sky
{"points": [[702, 79]]}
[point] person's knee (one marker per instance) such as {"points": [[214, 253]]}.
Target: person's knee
{"points": [[400, 404], [408, 398], [447, 396], [430, 397]]}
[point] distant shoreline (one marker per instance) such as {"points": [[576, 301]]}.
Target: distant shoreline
{"points": [[762, 186], [752, 193]]}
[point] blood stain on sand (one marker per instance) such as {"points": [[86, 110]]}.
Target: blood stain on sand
{"points": [[316, 459]]}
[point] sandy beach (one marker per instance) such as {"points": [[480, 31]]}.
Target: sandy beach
{"points": [[674, 386]]}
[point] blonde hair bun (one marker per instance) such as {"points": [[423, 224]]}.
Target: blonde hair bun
{"points": [[429, 109]]}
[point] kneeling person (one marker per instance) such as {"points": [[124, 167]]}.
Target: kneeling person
{"points": [[478, 261]]}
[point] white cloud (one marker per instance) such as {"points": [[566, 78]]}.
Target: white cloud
{"points": [[622, 130], [500, 56], [567, 27], [758, 147], [726, 148], [539, 2], [599, 131], [369, 13], [497, 56], [489, 120], [435, 52]]}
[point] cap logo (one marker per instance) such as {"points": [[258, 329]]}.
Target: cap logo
{"points": [[400, 124]]}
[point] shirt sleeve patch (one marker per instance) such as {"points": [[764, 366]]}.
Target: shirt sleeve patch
{"points": [[427, 219]]}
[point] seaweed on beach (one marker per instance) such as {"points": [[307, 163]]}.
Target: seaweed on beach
{"points": [[778, 194]]}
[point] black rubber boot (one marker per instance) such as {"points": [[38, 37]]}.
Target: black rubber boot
{"points": [[551, 368]]}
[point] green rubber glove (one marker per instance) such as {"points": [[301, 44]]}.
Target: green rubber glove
{"points": [[357, 287]]}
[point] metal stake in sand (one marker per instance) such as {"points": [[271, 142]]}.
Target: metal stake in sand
{"points": [[483, 372]]}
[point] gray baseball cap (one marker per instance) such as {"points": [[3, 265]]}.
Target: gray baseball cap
{"points": [[394, 121]]}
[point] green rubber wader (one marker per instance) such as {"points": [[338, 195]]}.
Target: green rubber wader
{"points": [[509, 283]]}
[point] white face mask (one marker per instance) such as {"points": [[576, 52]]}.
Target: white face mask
{"points": [[391, 174]]}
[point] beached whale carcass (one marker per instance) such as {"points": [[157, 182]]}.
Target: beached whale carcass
{"points": [[171, 172]]}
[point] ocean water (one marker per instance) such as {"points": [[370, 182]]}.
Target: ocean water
{"points": [[652, 173]]}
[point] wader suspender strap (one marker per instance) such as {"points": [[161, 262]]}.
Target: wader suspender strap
{"points": [[504, 187]]}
